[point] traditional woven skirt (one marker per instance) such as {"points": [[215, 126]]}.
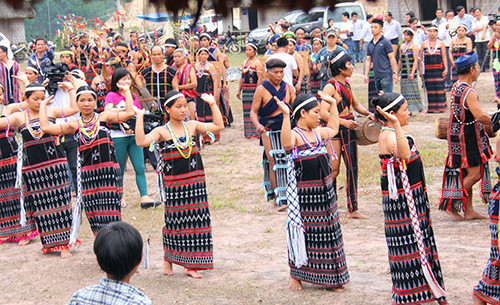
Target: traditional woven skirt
{"points": [[410, 89], [47, 189], [187, 234], [326, 264], [314, 83], [488, 288], [100, 181], [456, 52], [434, 82], [409, 285], [247, 93], [10, 205], [496, 79], [203, 111]]}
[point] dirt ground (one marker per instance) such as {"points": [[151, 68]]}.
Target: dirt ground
{"points": [[249, 234]]}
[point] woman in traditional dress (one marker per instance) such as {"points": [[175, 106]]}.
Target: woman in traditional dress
{"points": [[300, 81], [99, 177], [314, 81], [186, 77], [433, 70], [487, 290], [206, 75], [408, 63], [11, 229], [413, 257], [494, 45], [187, 234], [251, 78], [458, 47], [123, 134], [318, 256], [341, 69], [102, 85], [468, 145], [46, 191]]}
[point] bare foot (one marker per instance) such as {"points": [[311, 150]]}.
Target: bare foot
{"points": [[124, 204], [295, 285], [455, 215], [23, 242], [65, 253], [282, 208], [146, 198], [356, 215], [167, 268], [471, 214], [339, 289], [192, 273]]}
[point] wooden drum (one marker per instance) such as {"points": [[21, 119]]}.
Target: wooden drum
{"points": [[368, 131], [441, 128]]}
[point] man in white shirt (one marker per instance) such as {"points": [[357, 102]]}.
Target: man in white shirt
{"points": [[439, 18], [346, 34], [392, 31], [366, 34], [483, 36], [291, 68], [357, 26], [463, 18], [444, 35]]}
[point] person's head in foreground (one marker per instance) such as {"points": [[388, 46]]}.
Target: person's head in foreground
{"points": [[392, 103]]}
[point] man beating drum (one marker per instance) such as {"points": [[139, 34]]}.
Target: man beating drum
{"points": [[344, 143]]}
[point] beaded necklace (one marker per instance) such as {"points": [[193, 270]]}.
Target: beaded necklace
{"points": [[300, 130], [247, 66], [87, 131], [33, 128], [453, 108], [436, 45], [179, 144], [201, 69]]}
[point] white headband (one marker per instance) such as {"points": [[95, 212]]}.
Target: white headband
{"points": [[170, 45], [202, 49], [33, 69], [37, 88], [172, 98], [252, 45], [339, 56], [394, 103], [304, 103], [86, 91]]}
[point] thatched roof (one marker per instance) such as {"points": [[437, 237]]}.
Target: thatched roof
{"points": [[21, 9]]}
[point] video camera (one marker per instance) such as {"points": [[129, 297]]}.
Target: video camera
{"points": [[55, 73], [493, 18], [151, 121]]}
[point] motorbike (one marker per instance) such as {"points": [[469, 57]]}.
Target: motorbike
{"points": [[229, 43], [20, 51]]}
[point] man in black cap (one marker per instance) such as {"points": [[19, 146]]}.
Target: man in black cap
{"points": [[267, 118], [170, 46], [468, 145]]}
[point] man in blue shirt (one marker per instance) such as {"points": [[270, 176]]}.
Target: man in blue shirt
{"points": [[325, 52], [466, 19], [42, 52], [380, 52]]}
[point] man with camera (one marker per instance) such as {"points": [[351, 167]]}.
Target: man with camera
{"points": [[38, 59]]}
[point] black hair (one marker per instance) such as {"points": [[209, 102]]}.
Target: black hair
{"points": [[354, 13], [346, 14], [34, 68], [292, 41], [459, 8], [33, 84], [439, 9], [407, 31], [410, 13], [369, 16], [390, 14], [466, 69], [339, 64], [117, 75], [329, 21], [412, 19], [449, 11], [122, 44], [4, 48], [300, 29], [476, 9], [472, 9], [317, 27], [171, 103], [307, 107], [383, 101], [40, 38], [379, 22], [86, 88], [118, 248], [282, 42]]}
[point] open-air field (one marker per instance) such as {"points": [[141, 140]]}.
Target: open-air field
{"points": [[249, 234]]}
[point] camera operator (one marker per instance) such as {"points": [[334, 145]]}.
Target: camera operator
{"points": [[39, 59], [61, 100]]}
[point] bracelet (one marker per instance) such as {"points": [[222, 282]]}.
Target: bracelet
{"points": [[401, 137], [210, 105], [73, 88]]}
